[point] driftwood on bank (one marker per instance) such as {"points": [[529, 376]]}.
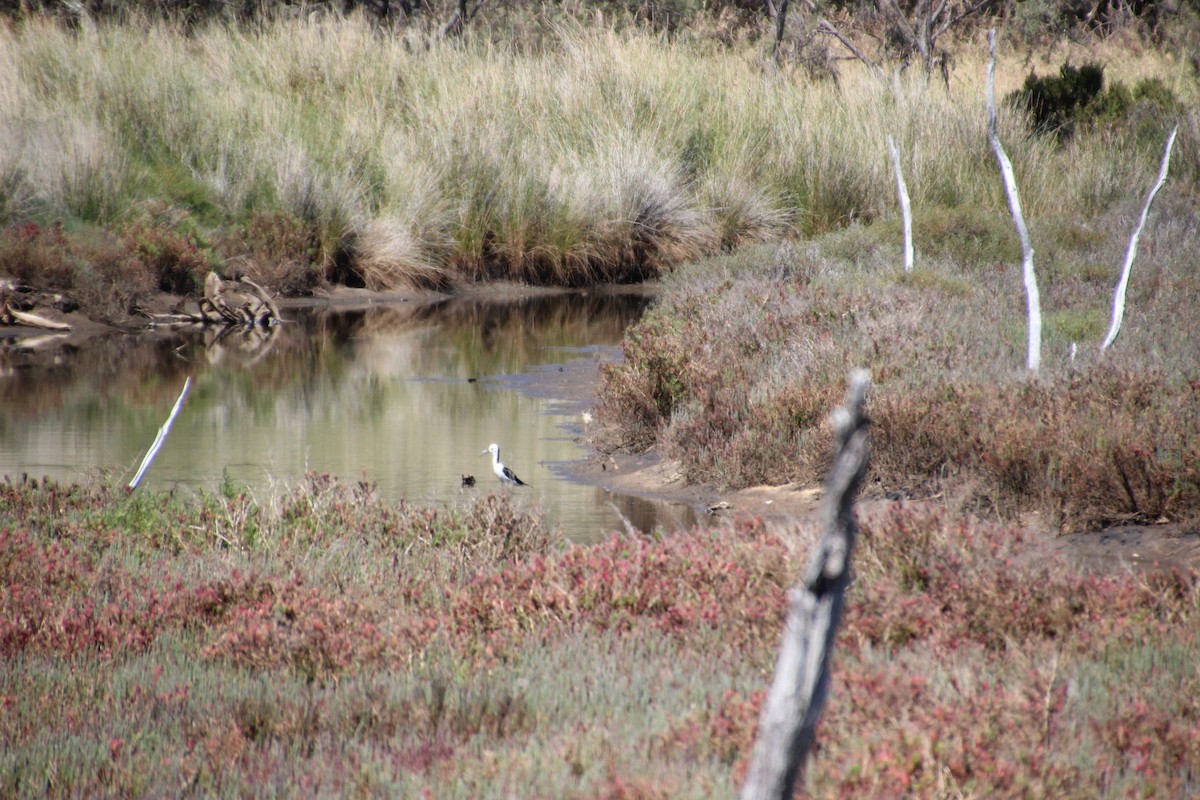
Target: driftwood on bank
{"points": [[13, 316], [227, 303], [787, 725]]}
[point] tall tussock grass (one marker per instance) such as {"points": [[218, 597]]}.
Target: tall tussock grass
{"points": [[598, 156]]}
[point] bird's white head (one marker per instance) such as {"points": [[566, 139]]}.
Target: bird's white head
{"points": [[494, 449]]}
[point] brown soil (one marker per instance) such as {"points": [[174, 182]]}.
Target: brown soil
{"points": [[650, 476], [1125, 547]]}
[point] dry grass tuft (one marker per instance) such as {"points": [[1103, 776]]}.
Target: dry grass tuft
{"points": [[388, 256]]}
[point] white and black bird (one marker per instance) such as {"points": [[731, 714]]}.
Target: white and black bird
{"points": [[505, 474]]}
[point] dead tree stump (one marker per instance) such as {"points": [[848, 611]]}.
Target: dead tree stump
{"points": [[787, 725]]}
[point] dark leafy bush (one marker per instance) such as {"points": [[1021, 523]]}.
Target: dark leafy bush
{"points": [[171, 245], [1076, 98], [1055, 103]]}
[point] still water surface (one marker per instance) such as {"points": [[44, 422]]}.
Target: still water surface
{"points": [[405, 396]]}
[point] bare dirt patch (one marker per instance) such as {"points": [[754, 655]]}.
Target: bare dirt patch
{"points": [[1125, 547]]}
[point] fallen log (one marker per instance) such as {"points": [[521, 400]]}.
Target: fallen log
{"points": [[11, 316], [33, 320]]}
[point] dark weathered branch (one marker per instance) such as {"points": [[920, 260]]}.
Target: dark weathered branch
{"points": [[458, 20], [780, 22], [460, 17], [893, 10], [787, 726], [826, 27], [953, 20]]}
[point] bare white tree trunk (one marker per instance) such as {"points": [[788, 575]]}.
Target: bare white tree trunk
{"points": [[1118, 312], [905, 206], [161, 437], [787, 726], [1032, 300]]}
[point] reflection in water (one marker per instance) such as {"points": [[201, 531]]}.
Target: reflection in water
{"points": [[403, 395], [646, 515], [249, 343]]}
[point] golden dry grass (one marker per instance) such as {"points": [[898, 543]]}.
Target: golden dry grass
{"points": [[603, 156]]}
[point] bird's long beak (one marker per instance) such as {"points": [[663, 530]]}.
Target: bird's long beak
{"points": [[484, 452]]}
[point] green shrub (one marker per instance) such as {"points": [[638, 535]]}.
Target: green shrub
{"points": [[1056, 103], [1076, 99], [168, 241]]}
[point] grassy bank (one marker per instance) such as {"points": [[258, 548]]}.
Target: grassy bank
{"points": [[138, 156], [733, 369], [323, 643]]}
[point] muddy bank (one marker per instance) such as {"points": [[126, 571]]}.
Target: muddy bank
{"points": [[649, 475], [1125, 547]]}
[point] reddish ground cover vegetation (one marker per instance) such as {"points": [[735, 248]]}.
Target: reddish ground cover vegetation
{"points": [[352, 644]]}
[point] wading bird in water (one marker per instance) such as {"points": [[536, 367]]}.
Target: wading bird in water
{"points": [[505, 474]]}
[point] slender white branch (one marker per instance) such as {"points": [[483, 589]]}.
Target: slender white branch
{"points": [[161, 437], [1032, 299], [1118, 313], [905, 206]]}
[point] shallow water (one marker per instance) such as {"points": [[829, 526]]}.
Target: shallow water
{"points": [[404, 396]]}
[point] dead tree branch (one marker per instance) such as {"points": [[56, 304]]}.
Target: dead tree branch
{"points": [[780, 17], [787, 726], [827, 28], [1032, 297], [1118, 313], [161, 437], [461, 16], [905, 205], [921, 24]]}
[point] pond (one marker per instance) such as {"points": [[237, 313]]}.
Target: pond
{"points": [[406, 396]]}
